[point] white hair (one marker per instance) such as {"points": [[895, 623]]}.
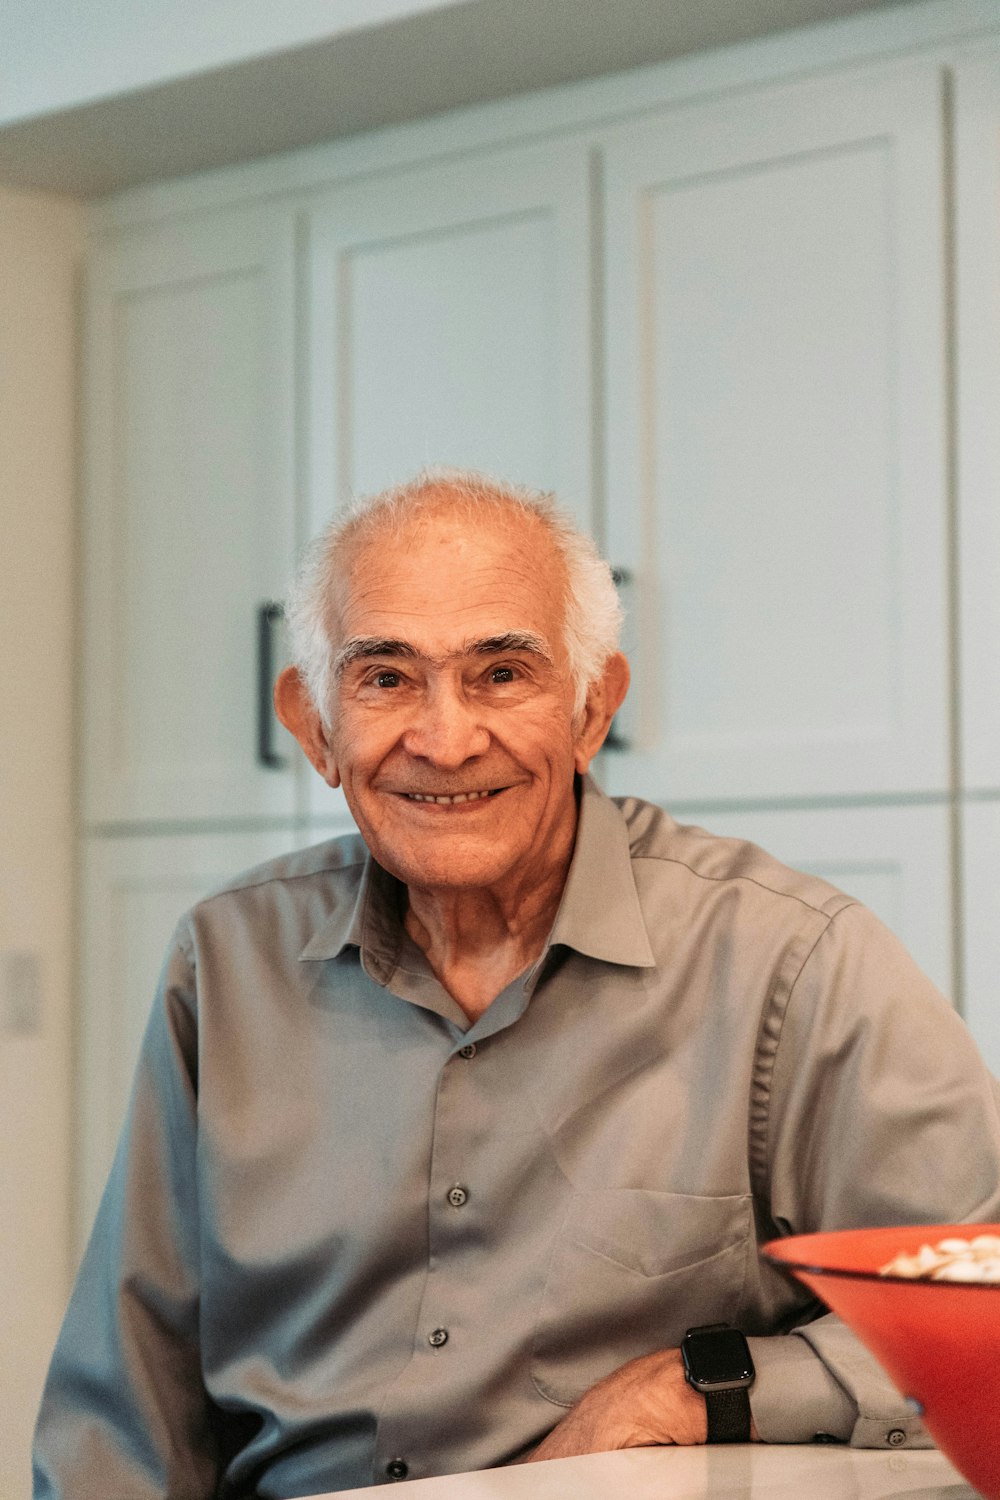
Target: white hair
{"points": [[593, 613]]}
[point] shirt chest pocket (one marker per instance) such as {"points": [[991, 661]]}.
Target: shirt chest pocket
{"points": [[631, 1271]]}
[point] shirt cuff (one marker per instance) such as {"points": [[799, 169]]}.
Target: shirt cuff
{"points": [[819, 1382]]}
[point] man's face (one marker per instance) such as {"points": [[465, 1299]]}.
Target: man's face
{"points": [[452, 722]]}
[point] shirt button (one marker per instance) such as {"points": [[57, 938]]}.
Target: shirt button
{"points": [[397, 1468], [458, 1196], [438, 1337], [469, 1050], [895, 1437]]}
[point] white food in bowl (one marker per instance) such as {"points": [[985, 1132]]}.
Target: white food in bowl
{"points": [[977, 1259]]}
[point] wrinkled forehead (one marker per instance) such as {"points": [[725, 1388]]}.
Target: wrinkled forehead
{"points": [[444, 574]]}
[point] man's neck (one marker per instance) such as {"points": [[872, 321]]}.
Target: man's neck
{"points": [[476, 941]]}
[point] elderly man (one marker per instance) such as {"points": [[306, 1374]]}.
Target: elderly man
{"points": [[444, 1137]]}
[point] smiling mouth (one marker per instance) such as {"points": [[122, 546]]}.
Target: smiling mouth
{"points": [[455, 799]]}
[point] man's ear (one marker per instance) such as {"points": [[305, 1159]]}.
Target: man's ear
{"points": [[295, 708], [604, 699]]}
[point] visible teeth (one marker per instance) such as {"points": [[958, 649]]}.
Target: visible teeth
{"points": [[447, 801]]}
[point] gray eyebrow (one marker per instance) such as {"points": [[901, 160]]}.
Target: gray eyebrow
{"points": [[511, 640], [368, 647]]}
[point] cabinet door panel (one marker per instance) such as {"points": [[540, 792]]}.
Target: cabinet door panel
{"points": [[776, 444], [135, 890], [896, 860], [189, 516], [977, 157], [449, 324], [981, 902]]}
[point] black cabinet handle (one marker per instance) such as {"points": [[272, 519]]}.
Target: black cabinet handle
{"points": [[614, 739], [269, 614]]}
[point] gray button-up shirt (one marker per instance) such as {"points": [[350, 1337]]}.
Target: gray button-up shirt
{"points": [[349, 1236]]}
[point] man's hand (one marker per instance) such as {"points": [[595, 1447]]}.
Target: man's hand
{"points": [[643, 1404], [646, 1403]]}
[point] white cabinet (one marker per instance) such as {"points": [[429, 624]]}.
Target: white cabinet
{"points": [[189, 515], [438, 315], [977, 250], [134, 892], [449, 322], [981, 905], [977, 264], [894, 859], [776, 447]]}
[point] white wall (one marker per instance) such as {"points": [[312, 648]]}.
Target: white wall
{"points": [[40, 245]]}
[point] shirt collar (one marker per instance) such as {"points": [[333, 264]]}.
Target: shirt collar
{"points": [[599, 913], [370, 922]]}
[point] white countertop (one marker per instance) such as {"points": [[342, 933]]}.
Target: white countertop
{"points": [[751, 1472]]}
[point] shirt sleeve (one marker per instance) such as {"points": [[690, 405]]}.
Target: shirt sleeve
{"points": [[125, 1412], [840, 1391], [880, 1111]]}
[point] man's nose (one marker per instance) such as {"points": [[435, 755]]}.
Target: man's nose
{"points": [[446, 729]]}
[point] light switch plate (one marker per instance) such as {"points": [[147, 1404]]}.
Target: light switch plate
{"points": [[20, 994]]}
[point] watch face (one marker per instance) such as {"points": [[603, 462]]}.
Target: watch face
{"points": [[719, 1358]]}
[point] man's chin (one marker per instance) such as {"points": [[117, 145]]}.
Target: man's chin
{"points": [[435, 866], [434, 875]]}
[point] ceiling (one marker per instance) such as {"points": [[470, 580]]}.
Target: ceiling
{"points": [[405, 69]]}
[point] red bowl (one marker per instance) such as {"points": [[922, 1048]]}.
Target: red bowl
{"points": [[938, 1340]]}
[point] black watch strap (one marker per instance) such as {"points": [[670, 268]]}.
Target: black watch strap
{"points": [[728, 1415]]}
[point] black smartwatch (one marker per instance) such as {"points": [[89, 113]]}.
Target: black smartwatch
{"points": [[717, 1362]]}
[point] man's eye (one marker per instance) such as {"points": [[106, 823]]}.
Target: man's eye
{"points": [[386, 679], [502, 674]]}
